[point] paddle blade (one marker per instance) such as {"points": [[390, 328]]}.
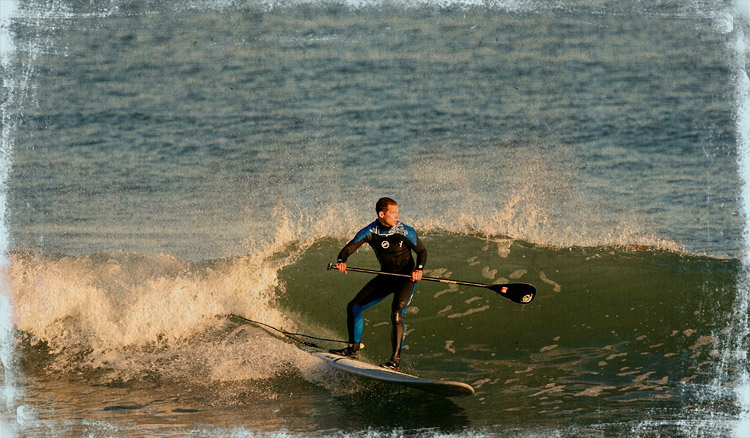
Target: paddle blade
{"points": [[521, 293]]}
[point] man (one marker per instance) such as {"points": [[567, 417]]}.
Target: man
{"points": [[393, 242]]}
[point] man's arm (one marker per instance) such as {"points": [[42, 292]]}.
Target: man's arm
{"points": [[421, 251], [348, 250]]}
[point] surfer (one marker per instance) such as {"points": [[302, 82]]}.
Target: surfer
{"points": [[393, 243]]}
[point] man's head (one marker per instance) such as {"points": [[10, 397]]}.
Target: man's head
{"points": [[387, 210]]}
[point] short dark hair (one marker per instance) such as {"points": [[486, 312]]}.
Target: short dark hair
{"points": [[383, 204]]}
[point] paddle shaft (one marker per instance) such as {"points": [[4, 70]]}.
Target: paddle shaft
{"points": [[393, 274]]}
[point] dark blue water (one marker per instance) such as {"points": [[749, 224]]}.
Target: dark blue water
{"points": [[564, 127]]}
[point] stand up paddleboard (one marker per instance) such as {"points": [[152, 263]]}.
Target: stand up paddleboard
{"points": [[366, 370], [374, 372]]}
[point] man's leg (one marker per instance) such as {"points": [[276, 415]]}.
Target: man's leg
{"points": [[401, 299], [372, 293]]}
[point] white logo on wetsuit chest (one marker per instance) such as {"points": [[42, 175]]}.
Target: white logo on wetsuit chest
{"points": [[385, 244]]}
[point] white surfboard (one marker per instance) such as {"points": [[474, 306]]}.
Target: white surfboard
{"points": [[374, 372]]}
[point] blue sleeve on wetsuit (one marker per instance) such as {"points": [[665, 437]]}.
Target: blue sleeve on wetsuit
{"points": [[366, 231], [355, 243]]}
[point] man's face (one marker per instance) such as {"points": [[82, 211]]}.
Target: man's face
{"points": [[389, 218]]}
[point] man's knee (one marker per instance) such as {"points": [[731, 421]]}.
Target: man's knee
{"points": [[354, 309], [397, 317]]}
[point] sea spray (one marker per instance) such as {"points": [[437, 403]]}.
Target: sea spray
{"points": [[543, 202]]}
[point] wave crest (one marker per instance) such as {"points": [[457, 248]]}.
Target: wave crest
{"points": [[101, 305]]}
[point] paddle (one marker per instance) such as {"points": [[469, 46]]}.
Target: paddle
{"points": [[521, 293]]}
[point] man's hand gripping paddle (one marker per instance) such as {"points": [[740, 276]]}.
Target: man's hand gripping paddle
{"points": [[521, 293]]}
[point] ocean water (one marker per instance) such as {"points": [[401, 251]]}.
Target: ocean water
{"points": [[167, 165]]}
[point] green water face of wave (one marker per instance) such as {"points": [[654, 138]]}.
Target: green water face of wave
{"points": [[609, 327]]}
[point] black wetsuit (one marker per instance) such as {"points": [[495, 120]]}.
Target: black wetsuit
{"points": [[393, 247]]}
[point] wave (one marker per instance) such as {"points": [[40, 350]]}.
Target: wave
{"points": [[135, 315], [96, 310], [627, 327]]}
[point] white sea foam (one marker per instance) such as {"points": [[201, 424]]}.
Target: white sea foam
{"points": [[120, 308]]}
